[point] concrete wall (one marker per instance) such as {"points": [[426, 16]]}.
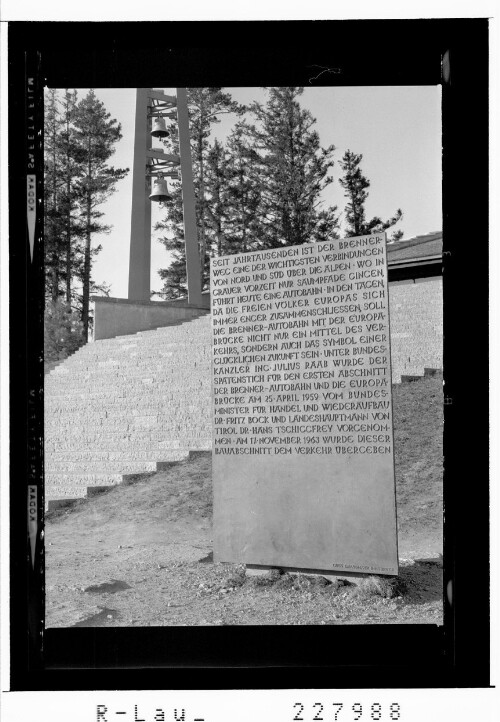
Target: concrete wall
{"points": [[205, 301], [120, 317], [416, 317]]}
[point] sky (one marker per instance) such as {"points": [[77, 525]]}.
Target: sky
{"points": [[396, 129]]}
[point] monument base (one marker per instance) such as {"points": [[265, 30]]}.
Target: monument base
{"points": [[255, 570]]}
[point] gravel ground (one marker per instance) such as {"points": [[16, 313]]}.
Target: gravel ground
{"points": [[140, 554]]}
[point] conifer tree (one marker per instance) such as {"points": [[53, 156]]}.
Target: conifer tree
{"points": [[356, 187], [95, 134], [53, 244], [293, 171], [217, 170], [174, 277], [62, 331], [69, 173], [205, 106], [262, 189], [244, 227]]}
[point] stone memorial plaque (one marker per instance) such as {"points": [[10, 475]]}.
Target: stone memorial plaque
{"points": [[303, 465]]}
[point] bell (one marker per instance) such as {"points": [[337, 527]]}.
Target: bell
{"points": [[159, 191], [159, 129]]}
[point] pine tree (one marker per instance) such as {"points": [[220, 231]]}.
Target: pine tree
{"points": [[205, 106], [69, 173], [243, 198], [262, 189], [63, 331], [216, 193], [292, 171], [53, 245], [95, 135], [356, 187], [174, 277]]}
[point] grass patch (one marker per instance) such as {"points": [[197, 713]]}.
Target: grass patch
{"points": [[387, 587], [237, 579]]}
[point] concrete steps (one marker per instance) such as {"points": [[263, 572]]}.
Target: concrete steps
{"points": [[416, 317], [125, 406]]}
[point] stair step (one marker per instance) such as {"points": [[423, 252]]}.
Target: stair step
{"points": [[175, 411], [84, 455], [136, 383], [117, 423], [61, 481], [110, 467], [125, 406], [85, 477], [98, 467], [151, 450]]}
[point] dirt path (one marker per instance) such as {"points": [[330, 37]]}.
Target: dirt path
{"points": [[119, 561], [140, 554], [128, 576]]}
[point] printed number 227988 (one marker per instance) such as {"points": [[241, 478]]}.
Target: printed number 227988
{"points": [[318, 712]]}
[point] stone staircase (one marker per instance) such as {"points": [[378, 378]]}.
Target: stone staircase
{"points": [[416, 318], [125, 406], [133, 404]]}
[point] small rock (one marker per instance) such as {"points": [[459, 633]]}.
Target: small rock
{"points": [[120, 546]]}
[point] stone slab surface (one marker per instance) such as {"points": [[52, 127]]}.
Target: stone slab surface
{"points": [[303, 465]]}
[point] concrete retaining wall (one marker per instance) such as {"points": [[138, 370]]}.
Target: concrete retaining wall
{"points": [[120, 317]]}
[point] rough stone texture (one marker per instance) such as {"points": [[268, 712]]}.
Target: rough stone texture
{"points": [[416, 317], [126, 405], [94, 400], [298, 480]]}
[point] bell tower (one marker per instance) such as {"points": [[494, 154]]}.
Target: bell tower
{"points": [[151, 168]]}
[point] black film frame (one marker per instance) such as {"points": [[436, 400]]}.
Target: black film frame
{"points": [[230, 54]]}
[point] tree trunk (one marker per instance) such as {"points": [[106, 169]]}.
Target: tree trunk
{"points": [[202, 230], [86, 258], [68, 212], [221, 238], [86, 277], [55, 265], [55, 281], [68, 244]]}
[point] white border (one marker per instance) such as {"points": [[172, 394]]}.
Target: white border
{"points": [[416, 705], [432, 705], [158, 10]]}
